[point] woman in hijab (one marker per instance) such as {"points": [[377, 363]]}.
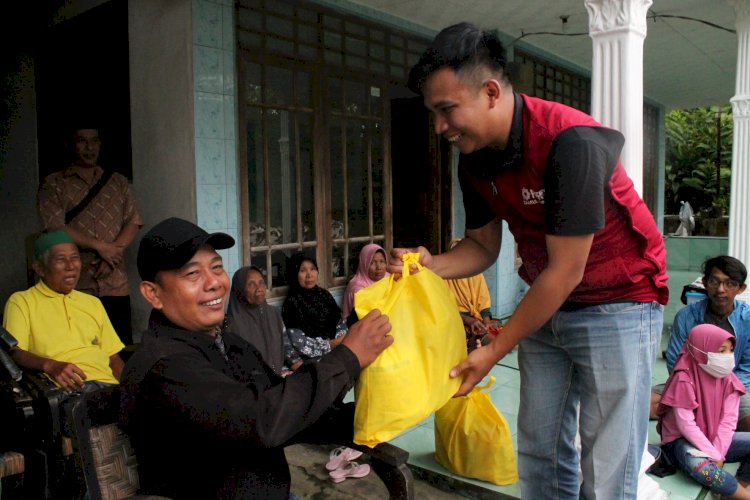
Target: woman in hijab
{"points": [[261, 324], [308, 307], [314, 311], [371, 268], [698, 413], [253, 319]]}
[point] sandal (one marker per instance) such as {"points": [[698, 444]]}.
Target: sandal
{"points": [[341, 455], [350, 469]]}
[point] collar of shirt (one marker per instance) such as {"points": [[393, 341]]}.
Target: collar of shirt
{"points": [[514, 149], [219, 342], [76, 170], [160, 326], [488, 162], [48, 292], [716, 317]]}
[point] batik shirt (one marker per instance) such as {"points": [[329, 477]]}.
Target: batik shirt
{"points": [[103, 218]]}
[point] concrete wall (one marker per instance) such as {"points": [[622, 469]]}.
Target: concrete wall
{"points": [[163, 136], [688, 253]]}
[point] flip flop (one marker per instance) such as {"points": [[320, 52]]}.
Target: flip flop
{"points": [[350, 469], [340, 456]]}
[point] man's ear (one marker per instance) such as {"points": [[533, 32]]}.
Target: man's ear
{"points": [[38, 268], [494, 91], [742, 288], [152, 293]]}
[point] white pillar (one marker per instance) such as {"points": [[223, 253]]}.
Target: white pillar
{"points": [[739, 206], [618, 28]]}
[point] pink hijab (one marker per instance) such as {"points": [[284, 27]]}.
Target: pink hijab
{"points": [[690, 387], [362, 278]]}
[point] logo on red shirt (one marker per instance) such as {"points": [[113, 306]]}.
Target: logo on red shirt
{"points": [[531, 197]]}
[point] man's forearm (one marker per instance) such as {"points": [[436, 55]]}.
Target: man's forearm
{"points": [[116, 364], [81, 239], [29, 360], [127, 235], [472, 255]]}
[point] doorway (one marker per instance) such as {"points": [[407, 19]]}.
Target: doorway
{"points": [[82, 76]]}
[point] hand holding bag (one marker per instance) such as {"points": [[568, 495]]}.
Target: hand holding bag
{"points": [[410, 379], [472, 439]]}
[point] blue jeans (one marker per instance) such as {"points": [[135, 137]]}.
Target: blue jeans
{"points": [[598, 358], [704, 469]]}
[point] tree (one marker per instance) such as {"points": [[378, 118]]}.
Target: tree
{"points": [[698, 159]]}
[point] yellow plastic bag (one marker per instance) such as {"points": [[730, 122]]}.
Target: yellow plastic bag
{"points": [[472, 439], [409, 380]]}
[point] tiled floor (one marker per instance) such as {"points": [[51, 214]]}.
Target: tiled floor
{"points": [[420, 440]]}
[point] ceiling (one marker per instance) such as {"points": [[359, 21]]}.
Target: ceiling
{"points": [[687, 63]]}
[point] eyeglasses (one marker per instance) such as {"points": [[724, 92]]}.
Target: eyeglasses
{"points": [[728, 284]]}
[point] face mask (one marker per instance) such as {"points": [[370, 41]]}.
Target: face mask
{"points": [[719, 364]]}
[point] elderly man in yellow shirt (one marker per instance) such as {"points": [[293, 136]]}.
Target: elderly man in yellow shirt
{"points": [[63, 332]]}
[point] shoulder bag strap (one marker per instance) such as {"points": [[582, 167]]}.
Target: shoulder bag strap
{"points": [[73, 212]]}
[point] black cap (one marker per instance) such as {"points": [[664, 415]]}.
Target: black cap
{"points": [[171, 243]]}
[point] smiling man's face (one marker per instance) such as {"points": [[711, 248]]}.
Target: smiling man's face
{"points": [[86, 145], [461, 111], [62, 267], [193, 297]]}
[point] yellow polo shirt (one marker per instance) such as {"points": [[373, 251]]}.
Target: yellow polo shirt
{"points": [[73, 328]]}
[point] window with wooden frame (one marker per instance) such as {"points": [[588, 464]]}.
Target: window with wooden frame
{"points": [[314, 90], [540, 78]]}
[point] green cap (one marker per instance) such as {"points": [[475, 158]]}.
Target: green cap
{"points": [[48, 240]]}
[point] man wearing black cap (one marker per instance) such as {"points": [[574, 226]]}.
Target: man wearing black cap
{"points": [[208, 417]]}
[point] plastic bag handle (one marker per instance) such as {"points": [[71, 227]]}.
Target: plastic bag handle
{"points": [[408, 259], [488, 384]]}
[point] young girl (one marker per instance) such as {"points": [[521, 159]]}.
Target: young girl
{"points": [[698, 413]]}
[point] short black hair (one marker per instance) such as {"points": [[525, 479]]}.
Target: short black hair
{"points": [[728, 265], [464, 48], [82, 120]]}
